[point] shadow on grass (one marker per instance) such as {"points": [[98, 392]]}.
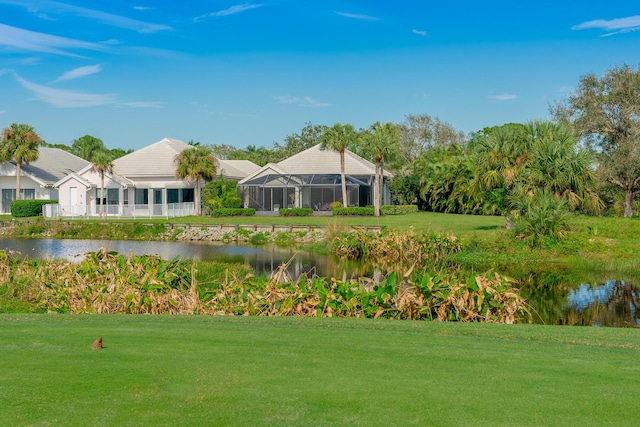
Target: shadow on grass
{"points": [[487, 227]]}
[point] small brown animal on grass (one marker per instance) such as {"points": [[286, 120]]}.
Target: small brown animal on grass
{"points": [[97, 344]]}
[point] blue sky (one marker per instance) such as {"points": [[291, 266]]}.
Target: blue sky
{"points": [[250, 73]]}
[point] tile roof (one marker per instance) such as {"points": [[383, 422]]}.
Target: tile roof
{"points": [[316, 160], [236, 169], [53, 164], [153, 160]]}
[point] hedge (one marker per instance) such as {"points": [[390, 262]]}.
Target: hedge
{"points": [[367, 211], [233, 212], [296, 212], [398, 209], [27, 208]]}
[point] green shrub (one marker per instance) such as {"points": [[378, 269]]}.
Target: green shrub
{"points": [[355, 211], [296, 212], [398, 209], [544, 221], [259, 239], [220, 194], [233, 212], [232, 203], [27, 208]]}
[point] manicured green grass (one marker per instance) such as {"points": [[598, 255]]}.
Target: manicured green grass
{"points": [[174, 370], [420, 221]]}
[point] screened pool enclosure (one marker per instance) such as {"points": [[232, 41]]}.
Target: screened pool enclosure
{"points": [[271, 192]]}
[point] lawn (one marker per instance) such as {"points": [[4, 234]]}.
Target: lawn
{"points": [[190, 370], [421, 221]]}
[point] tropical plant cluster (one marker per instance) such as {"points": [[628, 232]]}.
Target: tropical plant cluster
{"points": [[444, 297], [395, 248], [220, 194], [107, 282]]}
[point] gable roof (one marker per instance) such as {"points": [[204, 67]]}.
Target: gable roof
{"points": [[153, 160], [317, 160], [236, 169], [52, 165], [268, 169]]}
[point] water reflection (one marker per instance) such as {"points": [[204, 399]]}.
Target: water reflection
{"points": [[263, 259], [613, 303]]}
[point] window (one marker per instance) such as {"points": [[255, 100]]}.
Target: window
{"points": [[179, 195], [141, 196], [125, 196], [111, 199]]}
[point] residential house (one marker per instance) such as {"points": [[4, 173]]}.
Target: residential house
{"points": [[143, 184], [311, 179], [38, 178]]}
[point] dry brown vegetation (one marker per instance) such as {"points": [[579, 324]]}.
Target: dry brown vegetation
{"points": [[107, 282]]}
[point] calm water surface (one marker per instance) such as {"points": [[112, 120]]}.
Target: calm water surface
{"points": [[263, 258]]}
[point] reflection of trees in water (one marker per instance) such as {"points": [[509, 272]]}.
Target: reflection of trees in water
{"points": [[613, 303], [609, 303]]}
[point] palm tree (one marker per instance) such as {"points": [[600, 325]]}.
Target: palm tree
{"points": [[500, 156], [337, 138], [381, 141], [19, 143], [102, 163], [194, 164], [561, 167]]}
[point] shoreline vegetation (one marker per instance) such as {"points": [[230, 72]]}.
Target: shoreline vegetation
{"points": [[466, 250]]}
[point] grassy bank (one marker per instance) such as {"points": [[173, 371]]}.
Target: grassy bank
{"points": [[185, 370]]}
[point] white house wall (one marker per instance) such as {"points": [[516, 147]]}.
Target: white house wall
{"points": [[9, 183]]}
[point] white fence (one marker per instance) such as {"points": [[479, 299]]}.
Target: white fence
{"points": [[119, 211]]}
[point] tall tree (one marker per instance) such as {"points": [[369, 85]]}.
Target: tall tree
{"points": [[337, 138], [605, 111], [381, 142], [87, 146], [194, 164], [19, 143], [102, 163], [420, 132], [295, 143]]}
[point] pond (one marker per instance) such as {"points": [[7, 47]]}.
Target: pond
{"points": [[263, 258], [595, 302]]}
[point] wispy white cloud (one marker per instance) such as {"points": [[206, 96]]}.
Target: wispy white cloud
{"points": [[616, 26], [142, 7], [2, 111], [226, 12], [31, 41], [145, 104], [59, 98], [79, 72], [419, 32], [305, 101], [47, 8], [356, 16], [38, 14], [504, 97]]}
